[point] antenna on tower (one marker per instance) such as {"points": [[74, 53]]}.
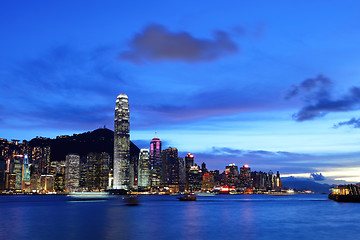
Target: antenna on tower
{"points": [[155, 133]]}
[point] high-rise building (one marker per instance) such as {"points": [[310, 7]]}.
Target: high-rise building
{"points": [[40, 155], [231, 175], [244, 177], [83, 172], [72, 173], [195, 179], [25, 174], [144, 169], [35, 182], [46, 183], [189, 162], [170, 166], [97, 176], [182, 174], [2, 172], [203, 168], [208, 182], [17, 170], [155, 161], [121, 143], [59, 183]]}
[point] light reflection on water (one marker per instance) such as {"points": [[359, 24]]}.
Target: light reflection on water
{"points": [[249, 217]]}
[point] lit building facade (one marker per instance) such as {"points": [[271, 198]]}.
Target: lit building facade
{"points": [[244, 177], [121, 143], [208, 182], [40, 155], [2, 173], [17, 170], [72, 173], [25, 174], [46, 183], [97, 176], [195, 179], [155, 162], [189, 162], [144, 169], [170, 166], [231, 175]]}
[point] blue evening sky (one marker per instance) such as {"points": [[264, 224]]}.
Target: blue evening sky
{"points": [[271, 84]]}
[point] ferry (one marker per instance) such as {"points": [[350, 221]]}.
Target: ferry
{"points": [[205, 194], [88, 196], [345, 193], [188, 197]]}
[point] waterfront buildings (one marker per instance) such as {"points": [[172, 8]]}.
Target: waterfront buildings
{"points": [[157, 171], [121, 143]]}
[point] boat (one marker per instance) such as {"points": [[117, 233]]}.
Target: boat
{"points": [[205, 194], [88, 196], [345, 193], [131, 200], [188, 197]]}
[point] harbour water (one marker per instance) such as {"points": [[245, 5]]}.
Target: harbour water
{"points": [[250, 217]]}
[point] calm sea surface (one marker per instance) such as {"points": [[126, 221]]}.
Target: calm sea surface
{"points": [[164, 217]]}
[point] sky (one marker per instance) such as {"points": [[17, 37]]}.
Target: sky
{"points": [[274, 85]]}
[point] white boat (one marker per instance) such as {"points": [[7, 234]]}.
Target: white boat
{"points": [[88, 196], [205, 194]]}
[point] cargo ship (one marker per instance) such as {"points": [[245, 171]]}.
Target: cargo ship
{"points": [[345, 193]]}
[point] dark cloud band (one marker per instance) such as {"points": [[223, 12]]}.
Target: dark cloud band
{"points": [[156, 43]]}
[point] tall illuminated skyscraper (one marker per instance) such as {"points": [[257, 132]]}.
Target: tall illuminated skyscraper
{"points": [[170, 166], [155, 150], [72, 173], [189, 162], [144, 168], [25, 174], [121, 143]]}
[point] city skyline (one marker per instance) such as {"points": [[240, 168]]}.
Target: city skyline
{"points": [[271, 85]]}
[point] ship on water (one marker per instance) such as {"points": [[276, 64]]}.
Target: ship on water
{"points": [[88, 196], [346, 193]]}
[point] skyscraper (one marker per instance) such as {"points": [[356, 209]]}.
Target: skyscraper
{"points": [[25, 174], [189, 162], [144, 168], [170, 166], [155, 150], [72, 173], [245, 176], [121, 143]]}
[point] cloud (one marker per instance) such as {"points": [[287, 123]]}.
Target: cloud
{"points": [[157, 43], [355, 123], [319, 100], [317, 176], [226, 100], [319, 86], [219, 157]]}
